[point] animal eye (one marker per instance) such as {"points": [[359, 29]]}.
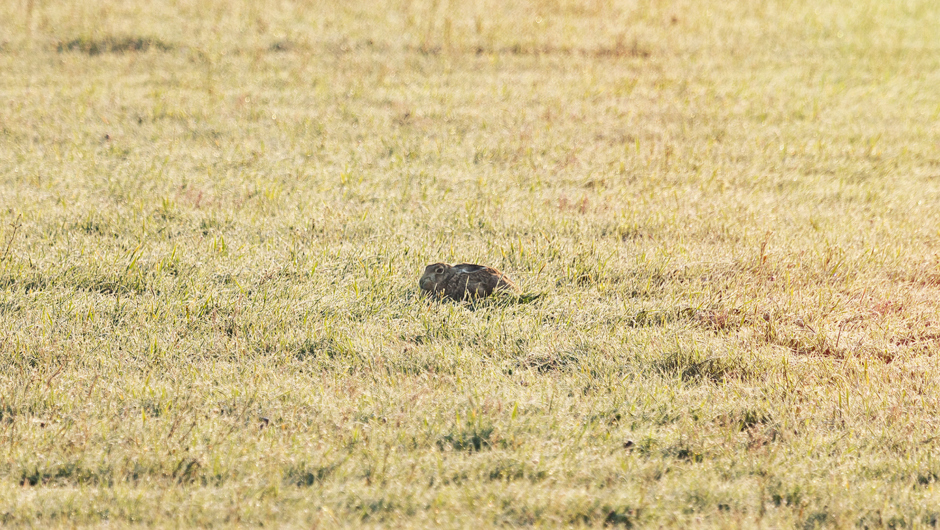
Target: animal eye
{"points": [[439, 270]]}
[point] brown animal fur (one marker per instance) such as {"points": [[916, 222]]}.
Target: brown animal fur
{"points": [[463, 281]]}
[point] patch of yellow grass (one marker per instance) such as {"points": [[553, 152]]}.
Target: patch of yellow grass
{"points": [[214, 215]]}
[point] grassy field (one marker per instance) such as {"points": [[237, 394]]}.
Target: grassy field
{"points": [[213, 217]]}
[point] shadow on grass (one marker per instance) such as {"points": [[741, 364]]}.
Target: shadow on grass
{"points": [[498, 300], [509, 469], [303, 475], [111, 44], [550, 362], [69, 472], [649, 318], [696, 366], [469, 438], [328, 347]]}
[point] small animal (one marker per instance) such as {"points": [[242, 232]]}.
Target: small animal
{"points": [[463, 281]]}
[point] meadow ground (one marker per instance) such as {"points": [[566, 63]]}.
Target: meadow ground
{"points": [[213, 216]]}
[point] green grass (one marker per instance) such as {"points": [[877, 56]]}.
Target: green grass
{"points": [[213, 217]]}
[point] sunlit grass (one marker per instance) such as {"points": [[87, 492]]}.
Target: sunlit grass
{"points": [[213, 217]]}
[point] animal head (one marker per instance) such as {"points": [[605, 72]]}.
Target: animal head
{"points": [[434, 275]]}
